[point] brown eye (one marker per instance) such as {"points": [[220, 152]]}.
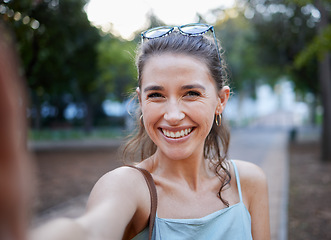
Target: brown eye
{"points": [[193, 94], [154, 95]]}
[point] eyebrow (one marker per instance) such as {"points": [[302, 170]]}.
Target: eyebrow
{"points": [[153, 88], [192, 86], [185, 87]]}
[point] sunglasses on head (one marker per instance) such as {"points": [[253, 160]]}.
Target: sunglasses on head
{"points": [[192, 29]]}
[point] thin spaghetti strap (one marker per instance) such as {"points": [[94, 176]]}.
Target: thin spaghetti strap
{"points": [[152, 189], [237, 179]]}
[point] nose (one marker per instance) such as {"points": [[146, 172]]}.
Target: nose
{"points": [[173, 114]]}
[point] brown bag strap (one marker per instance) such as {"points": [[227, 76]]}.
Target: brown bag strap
{"points": [[152, 189]]}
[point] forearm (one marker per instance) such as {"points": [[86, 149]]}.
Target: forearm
{"points": [[60, 229]]}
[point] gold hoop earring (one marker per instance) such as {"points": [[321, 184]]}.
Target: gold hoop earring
{"points": [[218, 123], [141, 120]]}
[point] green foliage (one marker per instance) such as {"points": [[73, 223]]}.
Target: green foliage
{"points": [[304, 2], [237, 38], [66, 60], [281, 36], [116, 66], [316, 49], [57, 47], [63, 55], [299, 2]]}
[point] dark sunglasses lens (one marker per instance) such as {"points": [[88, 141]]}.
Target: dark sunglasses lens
{"points": [[156, 32], [195, 29]]}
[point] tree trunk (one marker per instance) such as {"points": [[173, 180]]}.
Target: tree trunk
{"points": [[325, 81], [313, 111], [325, 84]]}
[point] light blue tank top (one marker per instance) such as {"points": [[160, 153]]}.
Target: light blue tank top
{"points": [[230, 223]]}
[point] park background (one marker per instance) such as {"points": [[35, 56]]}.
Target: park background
{"points": [[80, 69]]}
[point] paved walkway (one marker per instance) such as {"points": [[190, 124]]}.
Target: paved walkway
{"points": [[266, 147]]}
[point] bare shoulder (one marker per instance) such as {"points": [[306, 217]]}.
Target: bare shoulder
{"points": [[255, 196], [120, 182], [118, 205], [253, 181], [249, 172]]}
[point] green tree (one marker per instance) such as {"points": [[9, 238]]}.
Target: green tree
{"points": [[57, 46], [237, 36], [282, 32], [116, 61], [116, 66], [294, 36], [319, 48]]}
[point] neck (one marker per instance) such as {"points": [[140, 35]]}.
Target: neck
{"points": [[191, 170]]}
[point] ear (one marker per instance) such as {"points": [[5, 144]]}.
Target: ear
{"points": [[139, 95], [223, 97]]}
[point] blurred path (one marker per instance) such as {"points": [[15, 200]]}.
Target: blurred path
{"points": [[264, 146], [267, 147]]}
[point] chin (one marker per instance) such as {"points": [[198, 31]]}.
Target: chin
{"points": [[176, 154]]}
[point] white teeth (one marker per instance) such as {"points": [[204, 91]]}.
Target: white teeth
{"points": [[177, 134]]}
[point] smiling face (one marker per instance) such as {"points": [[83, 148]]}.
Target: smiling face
{"points": [[179, 100]]}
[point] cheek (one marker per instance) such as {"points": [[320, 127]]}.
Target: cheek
{"points": [[203, 109], [205, 113], [151, 113]]}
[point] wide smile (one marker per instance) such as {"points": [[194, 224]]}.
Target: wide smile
{"points": [[176, 134]]}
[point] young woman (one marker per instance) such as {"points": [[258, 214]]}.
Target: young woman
{"points": [[183, 143]]}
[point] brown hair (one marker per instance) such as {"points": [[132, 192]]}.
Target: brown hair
{"points": [[217, 141]]}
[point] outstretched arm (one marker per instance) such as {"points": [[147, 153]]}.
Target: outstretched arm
{"points": [[15, 172], [118, 206]]}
